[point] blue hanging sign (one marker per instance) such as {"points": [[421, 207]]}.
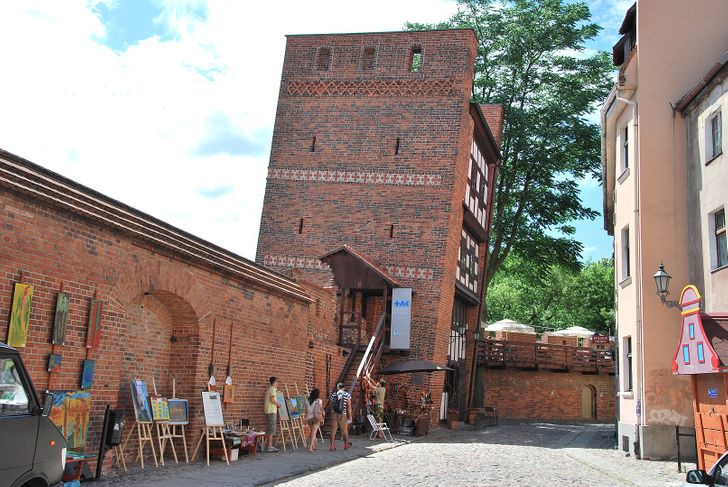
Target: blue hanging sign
{"points": [[712, 392]]}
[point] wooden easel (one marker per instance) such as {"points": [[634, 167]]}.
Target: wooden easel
{"points": [[284, 426], [173, 427], [298, 424], [215, 431], [308, 393], [144, 433], [164, 434], [119, 456]]}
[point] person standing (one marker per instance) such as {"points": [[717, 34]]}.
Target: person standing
{"points": [[378, 391], [314, 416], [341, 416], [271, 413]]}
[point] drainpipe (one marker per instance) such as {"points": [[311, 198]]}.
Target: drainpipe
{"points": [[639, 342]]}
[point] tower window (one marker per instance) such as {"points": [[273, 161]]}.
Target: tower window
{"points": [[323, 60], [396, 146], [391, 230], [416, 59], [300, 226], [313, 145], [367, 58]]}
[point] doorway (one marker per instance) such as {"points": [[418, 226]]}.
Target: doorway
{"points": [[589, 402]]}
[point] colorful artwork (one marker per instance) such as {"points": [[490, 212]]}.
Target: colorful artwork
{"points": [[20, 315], [140, 399], [228, 393], [282, 411], [87, 374], [93, 333], [70, 412], [160, 408], [292, 405], [301, 401], [179, 411], [59, 323], [54, 362]]}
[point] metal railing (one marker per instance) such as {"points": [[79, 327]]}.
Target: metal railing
{"points": [[506, 353]]}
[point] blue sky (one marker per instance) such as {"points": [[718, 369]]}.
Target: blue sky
{"points": [[168, 105]]}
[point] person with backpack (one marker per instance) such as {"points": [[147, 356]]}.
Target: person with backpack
{"points": [[341, 415]]}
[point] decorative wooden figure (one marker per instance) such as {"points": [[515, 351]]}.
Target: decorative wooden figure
{"points": [[20, 314], [93, 333], [214, 424], [59, 321]]}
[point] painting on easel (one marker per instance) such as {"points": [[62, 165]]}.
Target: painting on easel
{"points": [[160, 409], [93, 333], [70, 412], [20, 315], [59, 321], [292, 405], [282, 411], [179, 411], [140, 399]]}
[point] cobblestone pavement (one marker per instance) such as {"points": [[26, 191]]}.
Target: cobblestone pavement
{"points": [[512, 454]]}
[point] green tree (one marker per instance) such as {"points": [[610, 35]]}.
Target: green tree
{"points": [[531, 59]]}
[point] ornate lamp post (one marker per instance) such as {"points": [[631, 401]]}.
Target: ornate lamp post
{"points": [[662, 282]]}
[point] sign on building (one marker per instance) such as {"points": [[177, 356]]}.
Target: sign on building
{"points": [[399, 338]]}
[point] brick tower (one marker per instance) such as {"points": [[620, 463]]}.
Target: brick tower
{"points": [[381, 164]]}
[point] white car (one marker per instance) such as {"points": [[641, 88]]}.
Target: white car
{"points": [[716, 476]]}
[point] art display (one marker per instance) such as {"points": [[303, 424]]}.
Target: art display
{"points": [[59, 322], [282, 411], [160, 408], [70, 411], [228, 393], [54, 362], [213, 409], [20, 315], [179, 411], [93, 333], [87, 374], [301, 401], [140, 399], [292, 406]]}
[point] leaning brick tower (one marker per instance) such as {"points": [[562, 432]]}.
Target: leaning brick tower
{"points": [[377, 147]]}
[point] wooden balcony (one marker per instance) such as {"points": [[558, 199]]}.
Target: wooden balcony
{"points": [[504, 353]]}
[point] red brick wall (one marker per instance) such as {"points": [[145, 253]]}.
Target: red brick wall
{"points": [[147, 296], [546, 395]]}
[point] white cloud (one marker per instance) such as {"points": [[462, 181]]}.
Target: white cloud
{"points": [[132, 124]]}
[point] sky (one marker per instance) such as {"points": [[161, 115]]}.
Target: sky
{"points": [[169, 105]]}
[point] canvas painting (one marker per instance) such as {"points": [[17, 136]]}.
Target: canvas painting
{"points": [[179, 412], [282, 411], [20, 315], [54, 362], [160, 408], [301, 401], [292, 405], [59, 322], [93, 333], [140, 399], [87, 374], [228, 393], [70, 412]]}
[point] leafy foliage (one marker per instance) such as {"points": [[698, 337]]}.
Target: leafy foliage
{"points": [[555, 299], [531, 59]]}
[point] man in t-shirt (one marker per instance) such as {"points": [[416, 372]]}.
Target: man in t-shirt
{"points": [[271, 413], [378, 391], [341, 415]]}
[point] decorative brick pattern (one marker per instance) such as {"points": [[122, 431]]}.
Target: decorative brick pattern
{"points": [[397, 88], [356, 177], [291, 262]]}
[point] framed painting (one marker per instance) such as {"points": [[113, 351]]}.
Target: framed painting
{"points": [[59, 321], [301, 401], [160, 409], [282, 411], [87, 374], [70, 411], [292, 405], [140, 400], [20, 315], [93, 333], [54, 362], [179, 411]]}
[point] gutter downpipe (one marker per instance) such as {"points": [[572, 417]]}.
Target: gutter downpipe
{"points": [[639, 393]]}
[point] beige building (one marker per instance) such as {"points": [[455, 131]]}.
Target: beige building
{"points": [[666, 44]]}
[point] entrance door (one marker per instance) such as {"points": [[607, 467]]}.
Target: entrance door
{"points": [[589, 402]]}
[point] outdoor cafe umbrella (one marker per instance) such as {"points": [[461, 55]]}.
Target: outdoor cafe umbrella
{"points": [[412, 366]]}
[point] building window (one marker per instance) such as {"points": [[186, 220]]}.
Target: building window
{"points": [[367, 58], [476, 191], [720, 251], [323, 60], [691, 331], [701, 353], [713, 136], [625, 148], [416, 59], [628, 364], [625, 254], [686, 354], [467, 270]]}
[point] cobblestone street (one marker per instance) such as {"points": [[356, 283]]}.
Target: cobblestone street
{"points": [[512, 454]]}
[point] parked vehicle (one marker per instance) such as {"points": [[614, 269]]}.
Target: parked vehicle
{"points": [[716, 476], [33, 450]]}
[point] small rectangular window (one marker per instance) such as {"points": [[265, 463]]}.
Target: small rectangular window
{"points": [[625, 148], [300, 226], [714, 136], [721, 247], [396, 146], [625, 254], [628, 364], [686, 354], [691, 331], [323, 59], [416, 59], [701, 353], [391, 230], [313, 145], [367, 59]]}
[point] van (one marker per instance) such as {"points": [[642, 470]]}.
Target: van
{"points": [[33, 449]]}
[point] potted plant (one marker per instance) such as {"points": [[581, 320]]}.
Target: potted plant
{"points": [[453, 418], [472, 415]]}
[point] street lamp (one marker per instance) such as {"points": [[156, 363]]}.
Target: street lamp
{"points": [[662, 282]]}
